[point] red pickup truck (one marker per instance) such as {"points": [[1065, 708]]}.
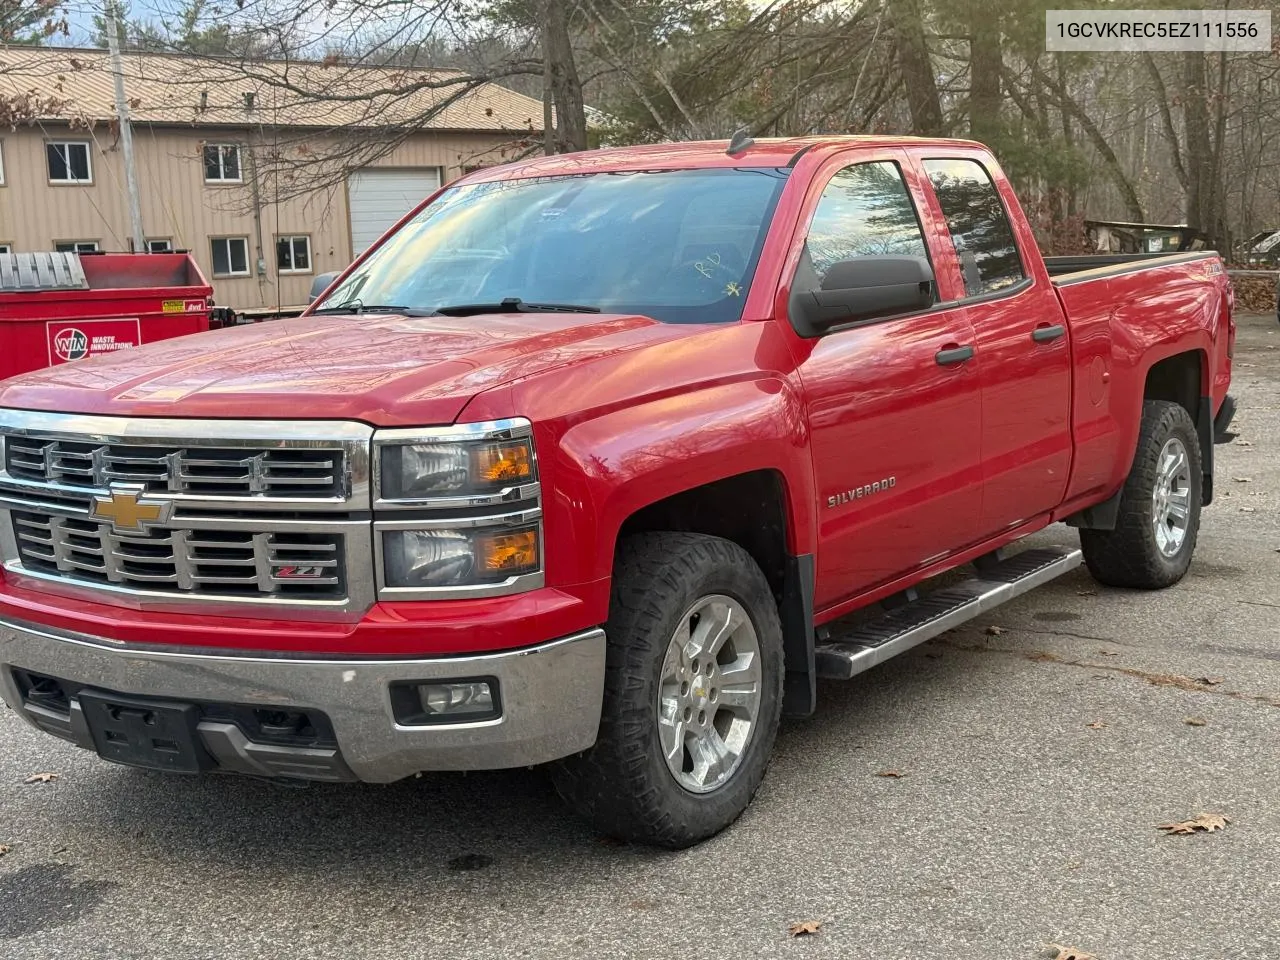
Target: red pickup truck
{"points": [[600, 461]]}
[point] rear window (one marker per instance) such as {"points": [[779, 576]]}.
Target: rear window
{"points": [[979, 227]]}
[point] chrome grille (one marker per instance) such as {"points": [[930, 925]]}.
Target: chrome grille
{"points": [[223, 562], [257, 515], [292, 472]]}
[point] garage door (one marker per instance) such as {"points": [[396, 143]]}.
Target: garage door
{"points": [[378, 198]]}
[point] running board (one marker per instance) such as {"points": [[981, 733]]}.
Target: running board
{"points": [[844, 655]]}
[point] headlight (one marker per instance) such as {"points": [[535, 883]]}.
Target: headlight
{"points": [[452, 557], [457, 511], [454, 468]]}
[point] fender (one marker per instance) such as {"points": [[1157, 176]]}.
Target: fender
{"points": [[1115, 351], [630, 458]]}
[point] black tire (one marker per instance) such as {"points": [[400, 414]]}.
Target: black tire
{"points": [[622, 785], [1129, 556]]}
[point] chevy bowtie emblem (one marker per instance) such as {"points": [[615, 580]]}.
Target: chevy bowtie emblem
{"points": [[128, 511]]}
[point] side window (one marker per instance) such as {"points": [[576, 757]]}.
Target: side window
{"points": [[979, 227], [864, 210]]}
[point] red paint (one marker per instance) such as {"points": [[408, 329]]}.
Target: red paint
{"points": [[131, 299], [627, 411]]}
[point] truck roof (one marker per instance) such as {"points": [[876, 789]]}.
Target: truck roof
{"points": [[764, 152]]}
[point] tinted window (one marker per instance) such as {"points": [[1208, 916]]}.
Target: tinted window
{"points": [[865, 210], [678, 245], [979, 228]]}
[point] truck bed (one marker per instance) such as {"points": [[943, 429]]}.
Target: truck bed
{"points": [[1064, 270]]}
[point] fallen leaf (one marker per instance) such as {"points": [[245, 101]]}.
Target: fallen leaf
{"points": [[4, 848], [896, 774], [1244, 443], [41, 778], [1243, 479], [1086, 593], [1069, 953], [1194, 721], [994, 631], [1041, 656], [1096, 725], [1208, 822], [1248, 510], [1109, 653], [805, 928], [1181, 682]]}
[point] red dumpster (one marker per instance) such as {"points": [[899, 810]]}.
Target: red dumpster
{"points": [[60, 307]]}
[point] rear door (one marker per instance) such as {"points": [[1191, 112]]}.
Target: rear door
{"points": [[1023, 344], [894, 427]]}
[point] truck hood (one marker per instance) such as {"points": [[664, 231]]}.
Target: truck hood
{"points": [[383, 369]]}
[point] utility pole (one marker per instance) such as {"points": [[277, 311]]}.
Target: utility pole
{"points": [[126, 132]]}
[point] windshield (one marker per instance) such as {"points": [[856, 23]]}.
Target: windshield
{"points": [[679, 246]]}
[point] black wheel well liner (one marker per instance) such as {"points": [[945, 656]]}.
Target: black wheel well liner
{"points": [[1180, 379], [750, 509]]}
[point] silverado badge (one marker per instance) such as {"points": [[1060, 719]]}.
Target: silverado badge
{"points": [[128, 511], [857, 493]]}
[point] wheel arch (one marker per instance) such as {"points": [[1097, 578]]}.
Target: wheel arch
{"points": [[752, 510], [1184, 378]]}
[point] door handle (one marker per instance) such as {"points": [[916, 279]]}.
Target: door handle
{"points": [[1048, 334], [953, 355]]}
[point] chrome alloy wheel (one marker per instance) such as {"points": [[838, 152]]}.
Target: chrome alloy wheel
{"points": [[709, 693], [1172, 497]]}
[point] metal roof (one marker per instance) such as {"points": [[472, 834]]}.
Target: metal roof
{"points": [[27, 272], [173, 89]]}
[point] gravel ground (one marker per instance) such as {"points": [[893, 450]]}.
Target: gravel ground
{"points": [[1036, 765]]}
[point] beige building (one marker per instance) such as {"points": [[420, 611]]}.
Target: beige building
{"points": [[225, 155]]}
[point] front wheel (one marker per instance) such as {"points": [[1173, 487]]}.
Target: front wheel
{"points": [[693, 693], [1159, 516]]}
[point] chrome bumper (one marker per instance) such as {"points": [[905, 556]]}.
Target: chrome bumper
{"points": [[550, 698]]}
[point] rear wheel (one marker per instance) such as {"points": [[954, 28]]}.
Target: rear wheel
{"points": [[1159, 517], [693, 693]]}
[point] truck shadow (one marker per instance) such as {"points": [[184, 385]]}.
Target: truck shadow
{"points": [[439, 828]]}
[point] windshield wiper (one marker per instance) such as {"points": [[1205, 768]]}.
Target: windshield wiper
{"points": [[356, 307], [512, 305]]}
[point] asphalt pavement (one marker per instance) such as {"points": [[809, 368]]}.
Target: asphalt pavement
{"points": [[1036, 762]]}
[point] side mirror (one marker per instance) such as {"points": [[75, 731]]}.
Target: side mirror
{"points": [[321, 283], [863, 288]]}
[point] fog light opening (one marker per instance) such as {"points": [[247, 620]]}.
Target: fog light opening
{"points": [[446, 701]]}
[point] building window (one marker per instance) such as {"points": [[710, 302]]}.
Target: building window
{"points": [[222, 163], [293, 254], [160, 246], [76, 246], [1, 163], [69, 161], [6, 248], [230, 256]]}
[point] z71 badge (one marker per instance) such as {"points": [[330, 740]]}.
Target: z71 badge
{"points": [[857, 493]]}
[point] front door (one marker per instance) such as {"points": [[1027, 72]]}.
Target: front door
{"points": [[893, 406]]}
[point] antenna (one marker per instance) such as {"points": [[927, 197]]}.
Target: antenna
{"points": [[740, 142]]}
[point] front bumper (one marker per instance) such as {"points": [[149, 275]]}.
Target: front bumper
{"points": [[550, 696]]}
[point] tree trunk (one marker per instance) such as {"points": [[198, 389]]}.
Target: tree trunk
{"points": [[561, 73], [1205, 212], [921, 82], [984, 75]]}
